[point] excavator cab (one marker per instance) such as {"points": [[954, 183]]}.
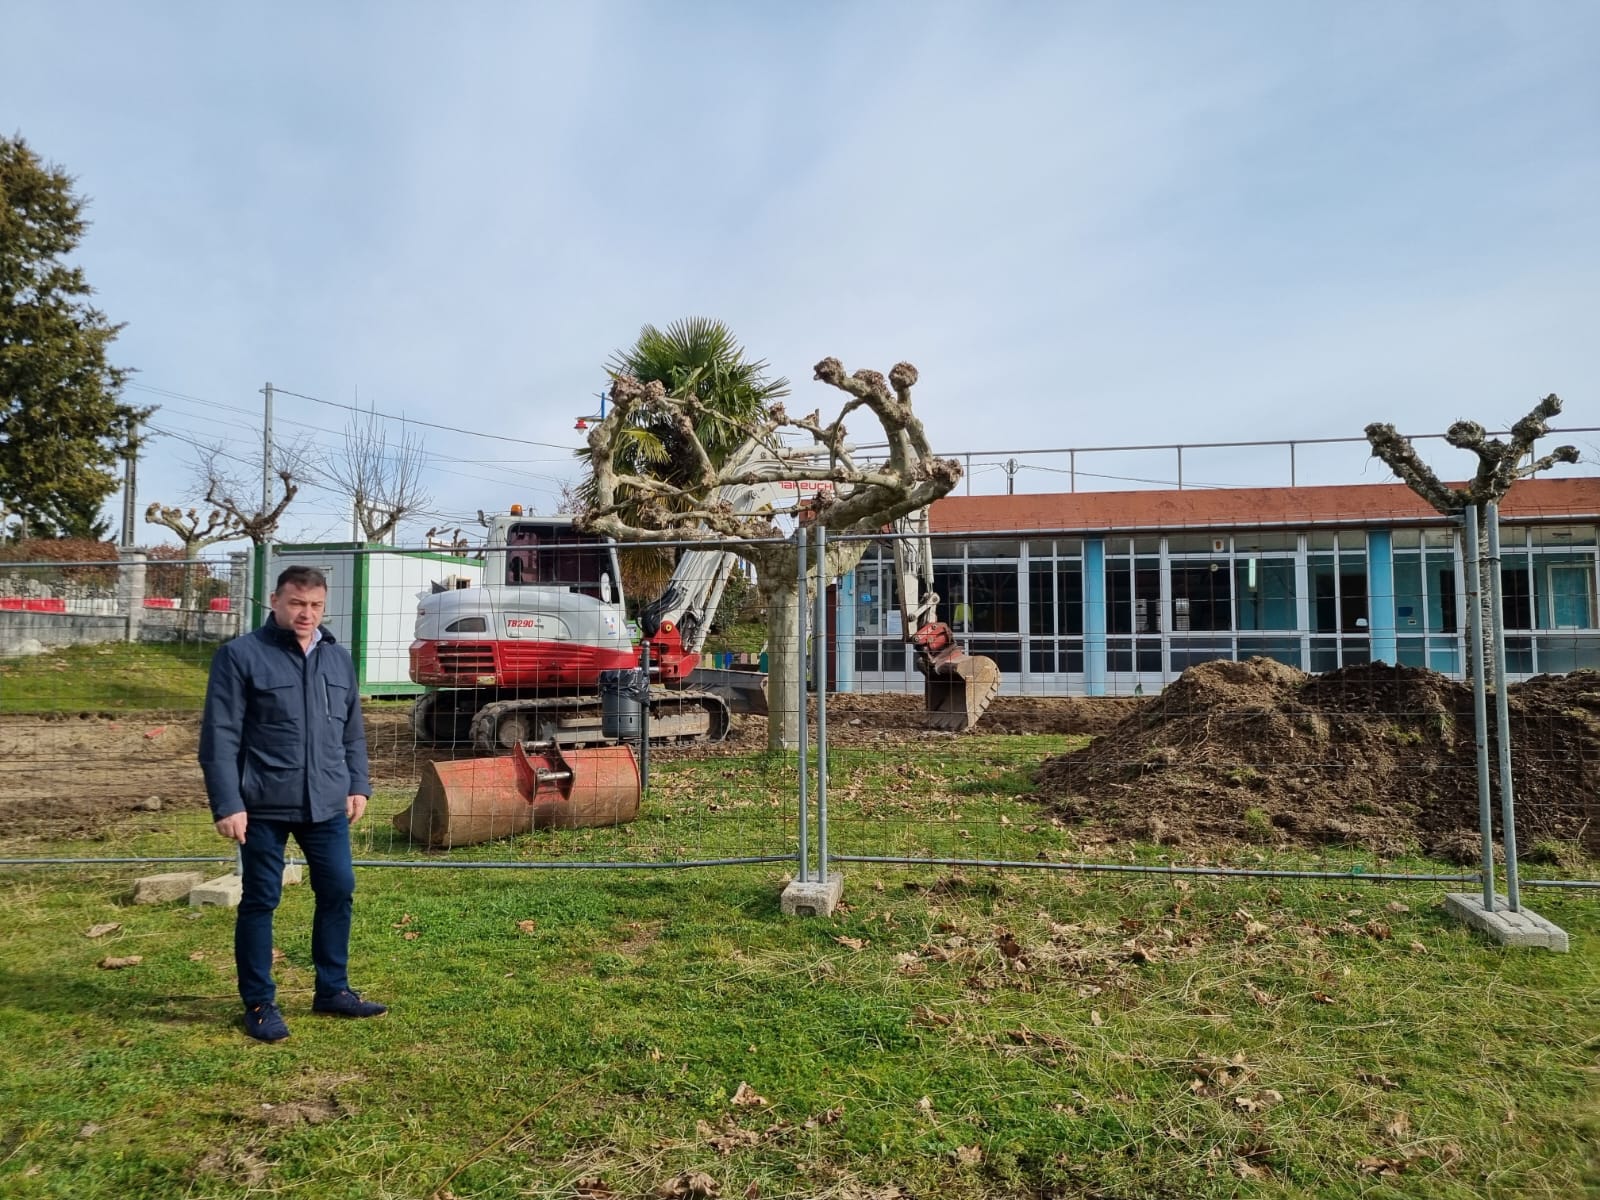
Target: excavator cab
{"points": [[958, 687]]}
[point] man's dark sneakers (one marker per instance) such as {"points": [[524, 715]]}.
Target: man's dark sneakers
{"points": [[265, 1023], [346, 1004]]}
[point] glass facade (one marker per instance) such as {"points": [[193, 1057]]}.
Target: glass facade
{"points": [[1316, 599]]}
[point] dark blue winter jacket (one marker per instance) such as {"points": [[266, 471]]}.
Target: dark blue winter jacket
{"points": [[282, 735]]}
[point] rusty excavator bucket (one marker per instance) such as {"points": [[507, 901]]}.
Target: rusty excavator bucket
{"points": [[958, 687], [538, 786]]}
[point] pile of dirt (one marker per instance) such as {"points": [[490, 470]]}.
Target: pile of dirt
{"points": [[1378, 756]]}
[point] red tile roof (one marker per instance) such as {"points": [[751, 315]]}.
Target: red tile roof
{"points": [[1355, 504]]}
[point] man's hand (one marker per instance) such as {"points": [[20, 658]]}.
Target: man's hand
{"points": [[233, 827], [354, 807]]}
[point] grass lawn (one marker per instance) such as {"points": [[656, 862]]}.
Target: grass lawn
{"points": [[975, 1034], [110, 677]]}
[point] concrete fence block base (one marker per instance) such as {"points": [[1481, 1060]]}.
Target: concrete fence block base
{"points": [[161, 889], [812, 899], [1509, 928], [225, 891]]}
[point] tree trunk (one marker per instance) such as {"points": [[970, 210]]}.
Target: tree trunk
{"points": [[1485, 655], [781, 596], [778, 588]]}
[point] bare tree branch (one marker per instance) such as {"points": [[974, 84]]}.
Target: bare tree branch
{"points": [[861, 499], [381, 479], [1500, 463]]}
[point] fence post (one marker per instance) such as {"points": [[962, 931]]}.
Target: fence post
{"points": [[130, 586], [819, 638], [801, 754], [1508, 804], [239, 590], [1476, 664]]}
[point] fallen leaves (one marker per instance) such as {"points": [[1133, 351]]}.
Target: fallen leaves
{"points": [[854, 943], [97, 931], [1385, 1166], [1024, 1036], [689, 1185], [116, 964], [827, 1117], [527, 926], [745, 1096], [1264, 1099], [1398, 1126], [968, 1156], [728, 1138]]}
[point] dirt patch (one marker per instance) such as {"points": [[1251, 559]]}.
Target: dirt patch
{"points": [[75, 775], [896, 718], [89, 775], [1378, 756]]}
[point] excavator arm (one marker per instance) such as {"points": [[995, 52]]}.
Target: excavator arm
{"points": [[676, 622], [958, 687]]}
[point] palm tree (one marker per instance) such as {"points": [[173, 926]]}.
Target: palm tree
{"points": [[698, 355]]}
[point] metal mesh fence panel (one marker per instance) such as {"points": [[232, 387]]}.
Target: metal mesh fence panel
{"points": [[1263, 699]]}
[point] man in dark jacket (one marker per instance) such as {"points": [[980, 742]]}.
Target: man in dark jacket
{"points": [[283, 752]]}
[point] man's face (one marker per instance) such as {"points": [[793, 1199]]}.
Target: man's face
{"points": [[299, 608]]}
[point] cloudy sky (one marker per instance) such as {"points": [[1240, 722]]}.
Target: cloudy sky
{"points": [[1086, 224]]}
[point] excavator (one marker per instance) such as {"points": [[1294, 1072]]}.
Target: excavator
{"points": [[516, 664]]}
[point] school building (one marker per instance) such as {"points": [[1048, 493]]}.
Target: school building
{"points": [[1116, 593]]}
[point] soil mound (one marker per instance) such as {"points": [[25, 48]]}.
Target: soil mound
{"points": [[1378, 756]]}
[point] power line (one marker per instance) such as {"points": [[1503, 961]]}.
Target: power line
{"points": [[432, 454], [499, 437]]}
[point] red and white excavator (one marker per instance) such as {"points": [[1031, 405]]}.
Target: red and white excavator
{"points": [[519, 658], [515, 664]]}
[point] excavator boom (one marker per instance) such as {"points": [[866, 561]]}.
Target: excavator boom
{"points": [[957, 687]]}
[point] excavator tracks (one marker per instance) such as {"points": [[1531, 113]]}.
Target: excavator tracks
{"points": [[676, 717]]}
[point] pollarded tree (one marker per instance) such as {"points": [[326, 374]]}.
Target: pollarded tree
{"points": [[63, 428], [195, 534], [863, 497], [1500, 464], [380, 476], [225, 480]]}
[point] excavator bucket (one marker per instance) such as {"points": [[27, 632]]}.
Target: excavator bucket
{"points": [[479, 799], [958, 687], [465, 802], [959, 691]]}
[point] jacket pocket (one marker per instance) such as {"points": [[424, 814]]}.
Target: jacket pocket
{"points": [[276, 703], [336, 698]]}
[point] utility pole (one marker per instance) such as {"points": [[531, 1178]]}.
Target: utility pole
{"points": [[266, 453], [258, 592], [130, 485]]}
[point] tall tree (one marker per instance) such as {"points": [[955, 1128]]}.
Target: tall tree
{"points": [[863, 497], [1500, 464], [63, 428]]}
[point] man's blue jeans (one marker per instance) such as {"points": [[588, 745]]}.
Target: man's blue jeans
{"points": [[326, 846]]}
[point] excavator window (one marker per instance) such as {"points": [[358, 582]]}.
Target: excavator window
{"points": [[555, 557]]}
